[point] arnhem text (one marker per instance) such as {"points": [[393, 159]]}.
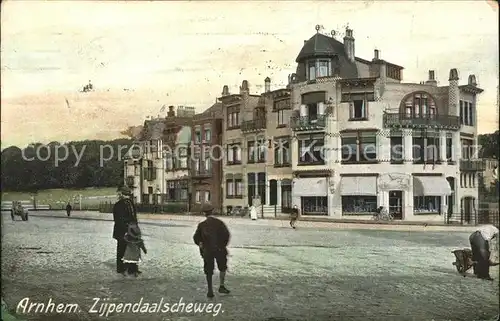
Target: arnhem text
{"points": [[103, 307]]}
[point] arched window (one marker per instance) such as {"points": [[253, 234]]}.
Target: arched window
{"points": [[419, 104]]}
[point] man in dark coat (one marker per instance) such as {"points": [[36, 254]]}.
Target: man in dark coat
{"points": [[212, 237], [68, 209], [124, 213]]}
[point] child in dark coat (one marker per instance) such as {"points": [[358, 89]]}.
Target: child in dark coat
{"points": [[135, 244]]}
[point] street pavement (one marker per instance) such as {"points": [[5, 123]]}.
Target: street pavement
{"points": [[275, 273]]}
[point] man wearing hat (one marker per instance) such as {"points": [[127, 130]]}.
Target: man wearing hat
{"points": [[124, 213], [212, 237]]}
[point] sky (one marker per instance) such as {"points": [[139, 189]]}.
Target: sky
{"points": [[140, 55]]}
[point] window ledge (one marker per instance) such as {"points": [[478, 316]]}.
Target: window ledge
{"points": [[281, 126], [282, 165], [361, 213], [233, 128], [233, 163], [394, 162], [311, 164], [238, 196], [358, 119], [426, 213], [359, 162]]}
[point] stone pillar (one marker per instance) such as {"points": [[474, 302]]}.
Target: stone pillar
{"points": [[408, 145], [442, 146], [335, 199], [278, 193], [408, 202]]}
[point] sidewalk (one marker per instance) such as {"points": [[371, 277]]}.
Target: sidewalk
{"points": [[309, 222]]}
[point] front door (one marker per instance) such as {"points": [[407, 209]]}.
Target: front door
{"points": [[396, 204]]}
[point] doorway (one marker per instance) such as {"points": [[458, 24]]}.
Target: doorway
{"points": [[451, 197], [468, 209], [396, 204]]}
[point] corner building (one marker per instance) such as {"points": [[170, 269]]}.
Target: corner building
{"points": [[361, 138]]}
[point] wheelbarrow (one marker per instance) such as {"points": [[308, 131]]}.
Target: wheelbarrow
{"points": [[463, 261]]}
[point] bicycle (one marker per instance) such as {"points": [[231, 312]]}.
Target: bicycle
{"points": [[382, 215]]}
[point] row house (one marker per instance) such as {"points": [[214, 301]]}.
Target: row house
{"points": [[205, 161], [158, 169], [257, 164], [362, 138]]}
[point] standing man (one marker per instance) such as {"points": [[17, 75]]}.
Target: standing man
{"points": [[68, 209], [294, 216], [212, 237], [124, 213], [481, 241]]}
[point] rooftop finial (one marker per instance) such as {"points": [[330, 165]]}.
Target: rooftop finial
{"points": [[317, 28], [333, 33]]}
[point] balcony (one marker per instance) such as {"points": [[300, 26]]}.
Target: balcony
{"points": [[302, 123], [253, 125], [472, 165], [201, 173], [430, 121]]}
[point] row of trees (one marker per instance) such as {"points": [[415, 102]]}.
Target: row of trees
{"points": [[90, 163], [20, 174]]}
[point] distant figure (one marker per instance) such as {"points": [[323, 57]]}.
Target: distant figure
{"points": [[68, 209], [481, 241], [294, 216], [253, 213], [212, 237], [124, 214], [132, 256]]}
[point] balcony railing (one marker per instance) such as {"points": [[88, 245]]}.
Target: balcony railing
{"points": [[413, 121], [253, 125], [299, 123], [472, 165], [201, 173]]}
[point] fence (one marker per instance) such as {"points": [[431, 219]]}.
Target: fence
{"points": [[173, 208]]}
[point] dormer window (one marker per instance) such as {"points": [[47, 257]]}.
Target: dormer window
{"points": [[318, 68]]}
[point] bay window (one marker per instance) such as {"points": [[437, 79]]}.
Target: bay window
{"points": [[318, 68], [466, 113], [427, 204], [282, 118], [425, 147], [467, 148]]}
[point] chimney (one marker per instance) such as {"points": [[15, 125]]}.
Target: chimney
{"points": [[376, 54], [171, 111], [349, 44], [432, 79], [244, 88], [225, 90], [267, 84], [453, 93], [472, 80]]}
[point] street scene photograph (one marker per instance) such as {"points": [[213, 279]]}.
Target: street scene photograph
{"points": [[250, 160]]}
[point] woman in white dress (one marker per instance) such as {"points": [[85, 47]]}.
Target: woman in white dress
{"points": [[253, 213]]}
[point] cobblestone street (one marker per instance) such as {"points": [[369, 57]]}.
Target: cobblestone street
{"points": [[275, 273]]}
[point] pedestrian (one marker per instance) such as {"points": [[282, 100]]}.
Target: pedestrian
{"points": [[124, 213], [212, 238], [68, 209], [294, 216], [253, 213], [481, 241], [132, 256]]}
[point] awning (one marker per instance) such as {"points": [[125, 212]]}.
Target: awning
{"points": [[358, 186], [430, 186], [310, 186]]}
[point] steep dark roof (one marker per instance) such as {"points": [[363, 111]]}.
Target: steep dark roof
{"points": [[320, 45]]}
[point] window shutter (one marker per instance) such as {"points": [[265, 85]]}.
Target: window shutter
{"points": [[303, 110], [363, 109], [321, 108], [351, 110]]}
